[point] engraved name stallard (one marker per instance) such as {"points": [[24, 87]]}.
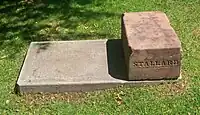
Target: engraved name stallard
{"points": [[156, 63]]}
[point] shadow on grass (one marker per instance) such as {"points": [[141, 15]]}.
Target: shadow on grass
{"points": [[44, 20], [28, 20]]}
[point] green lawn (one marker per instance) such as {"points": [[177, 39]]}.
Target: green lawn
{"points": [[23, 22]]}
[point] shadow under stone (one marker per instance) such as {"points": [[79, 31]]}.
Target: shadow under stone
{"points": [[116, 61]]}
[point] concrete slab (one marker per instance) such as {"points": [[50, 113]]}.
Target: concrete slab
{"points": [[73, 66]]}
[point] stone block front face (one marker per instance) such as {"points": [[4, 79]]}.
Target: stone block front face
{"points": [[154, 64], [151, 47]]}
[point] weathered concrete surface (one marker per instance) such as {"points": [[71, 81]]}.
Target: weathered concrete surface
{"points": [[68, 66], [152, 48]]}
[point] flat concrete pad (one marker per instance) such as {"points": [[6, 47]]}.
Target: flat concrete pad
{"points": [[73, 66]]}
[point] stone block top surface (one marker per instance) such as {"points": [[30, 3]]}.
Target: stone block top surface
{"points": [[149, 30]]}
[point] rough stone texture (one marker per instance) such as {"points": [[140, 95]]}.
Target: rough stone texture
{"points": [[151, 46], [68, 66]]}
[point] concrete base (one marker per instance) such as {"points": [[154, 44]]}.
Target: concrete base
{"points": [[74, 66]]}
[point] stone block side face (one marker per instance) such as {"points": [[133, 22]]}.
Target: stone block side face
{"points": [[127, 49], [155, 64]]}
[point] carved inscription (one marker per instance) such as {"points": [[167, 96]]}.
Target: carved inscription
{"points": [[156, 63]]}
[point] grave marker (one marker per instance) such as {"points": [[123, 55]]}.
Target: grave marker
{"points": [[151, 47], [149, 44]]}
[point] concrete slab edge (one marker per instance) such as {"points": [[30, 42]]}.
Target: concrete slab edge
{"points": [[85, 87]]}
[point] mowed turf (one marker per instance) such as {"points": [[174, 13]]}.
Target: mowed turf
{"points": [[23, 22]]}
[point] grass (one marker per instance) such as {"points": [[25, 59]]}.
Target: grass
{"points": [[23, 22]]}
